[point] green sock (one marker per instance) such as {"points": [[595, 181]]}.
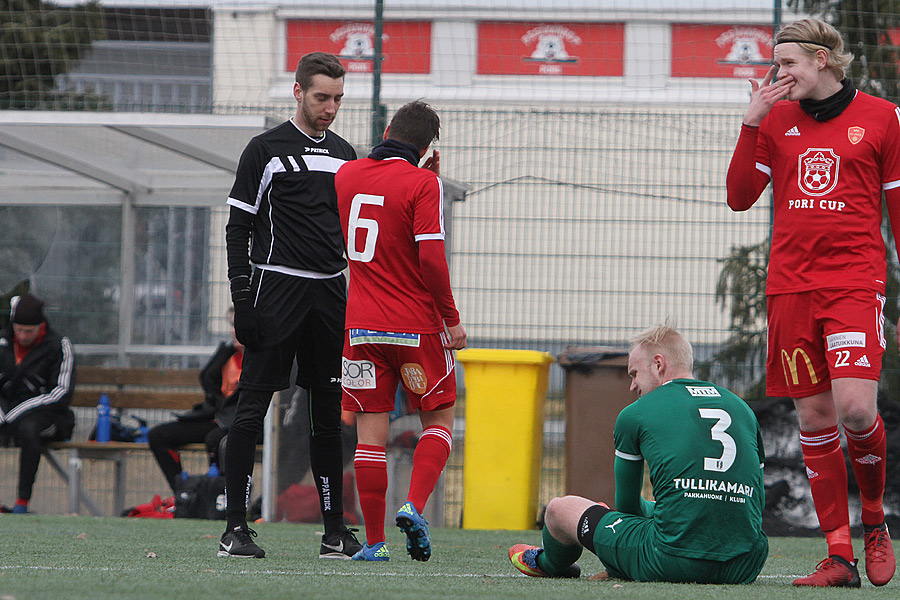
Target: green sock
{"points": [[556, 555]]}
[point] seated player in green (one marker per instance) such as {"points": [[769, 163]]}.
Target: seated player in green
{"points": [[704, 450]]}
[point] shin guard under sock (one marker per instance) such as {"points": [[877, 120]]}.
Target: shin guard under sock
{"points": [[868, 450], [556, 556], [429, 460], [326, 462], [241, 451], [370, 463], [828, 483]]}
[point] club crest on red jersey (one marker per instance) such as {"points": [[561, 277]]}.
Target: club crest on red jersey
{"points": [[855, 134], [818, 171]]}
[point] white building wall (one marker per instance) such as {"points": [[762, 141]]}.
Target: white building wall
{"points": [[245, 54]]}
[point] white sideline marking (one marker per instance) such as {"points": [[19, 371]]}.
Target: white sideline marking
{"points": [[314, 573], [271, 572], [379, 574]]}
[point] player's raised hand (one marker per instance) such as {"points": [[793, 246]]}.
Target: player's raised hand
{"points": [[764, 95], [457, 338], [433, 163]]}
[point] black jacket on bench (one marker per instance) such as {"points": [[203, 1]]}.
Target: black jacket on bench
{"points": [[43, 381]]}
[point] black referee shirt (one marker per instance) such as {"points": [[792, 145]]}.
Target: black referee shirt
{"points": [[286, 179]]}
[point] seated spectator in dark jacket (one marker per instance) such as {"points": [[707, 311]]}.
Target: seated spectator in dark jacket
{"points": [[37, 375], [208, 422]]}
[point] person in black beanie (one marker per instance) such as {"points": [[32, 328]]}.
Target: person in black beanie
{"points": [[37, 376]]}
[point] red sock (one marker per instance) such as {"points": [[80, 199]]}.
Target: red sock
{"points": [[868, 450], [828, 483], [429, 459], [370, 464], [21, 502]]}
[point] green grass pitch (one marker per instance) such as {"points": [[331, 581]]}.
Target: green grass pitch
{"points": [[69, 558]]}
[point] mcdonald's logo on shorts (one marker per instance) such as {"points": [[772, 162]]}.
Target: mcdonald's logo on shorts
{"points": [[789, 364]]}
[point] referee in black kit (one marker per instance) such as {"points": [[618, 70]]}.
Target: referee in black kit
{"points": [[283, 205]]}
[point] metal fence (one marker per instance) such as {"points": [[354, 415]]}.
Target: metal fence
{"points": [[578, 227]]}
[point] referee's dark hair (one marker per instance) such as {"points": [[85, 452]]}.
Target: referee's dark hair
{"points": [[415, 123], [318, 63]]}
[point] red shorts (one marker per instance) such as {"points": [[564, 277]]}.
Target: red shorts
{"points": [[375, 362], [821, 335]]}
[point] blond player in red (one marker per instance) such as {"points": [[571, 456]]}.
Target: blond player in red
{"points": [[830, 152], [402, 324]]}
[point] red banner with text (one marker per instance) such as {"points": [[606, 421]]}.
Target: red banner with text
{"points": [[406, 45], [721, 50], [588, 49]]}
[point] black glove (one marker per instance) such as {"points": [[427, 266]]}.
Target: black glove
{"points": [[246, 325]]}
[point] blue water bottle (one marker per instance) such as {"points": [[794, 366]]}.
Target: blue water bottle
{"points": [[103, 418]]}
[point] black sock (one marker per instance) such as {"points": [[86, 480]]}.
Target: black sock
{"points": [[241, 454], [326, 460]]}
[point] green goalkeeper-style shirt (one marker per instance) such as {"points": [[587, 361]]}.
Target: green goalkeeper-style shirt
{"points": [[704, 449]]}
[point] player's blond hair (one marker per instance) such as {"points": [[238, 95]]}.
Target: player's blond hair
{"points": [[664, 339], [823, 37]]}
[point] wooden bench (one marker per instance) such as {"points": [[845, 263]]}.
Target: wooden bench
{"points": [[127, 388], [172, 389]]}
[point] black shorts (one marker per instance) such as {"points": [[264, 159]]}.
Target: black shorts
{"points": [[298, 318]]}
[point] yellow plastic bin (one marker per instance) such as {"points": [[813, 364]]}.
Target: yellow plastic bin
{"points": [[505, 391]]}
